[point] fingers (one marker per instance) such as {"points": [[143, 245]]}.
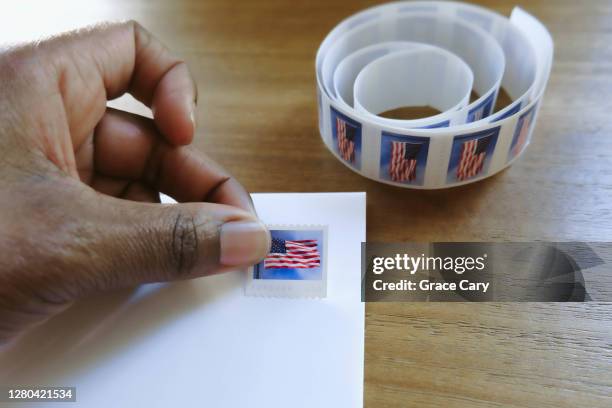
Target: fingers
{"points": [[174, 98], [139, 192], [105, 61], [127, 189], [137, 242], [129, 147]]}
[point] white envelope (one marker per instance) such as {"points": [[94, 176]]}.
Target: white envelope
{"points": [[202, 343]]}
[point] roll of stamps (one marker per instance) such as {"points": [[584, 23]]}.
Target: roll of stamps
{"points": [[296, 265], [431, 53]]}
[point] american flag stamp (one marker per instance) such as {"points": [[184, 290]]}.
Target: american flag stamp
{"points": [[346, 135], [482, 110], [403, 159], [471, 154], [522, 132], [295, 265]]}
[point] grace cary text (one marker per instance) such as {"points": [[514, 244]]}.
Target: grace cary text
{"points": [[425, 285]]}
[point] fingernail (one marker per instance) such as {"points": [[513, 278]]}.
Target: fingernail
{"points": [[192, 116], [243, 243]]}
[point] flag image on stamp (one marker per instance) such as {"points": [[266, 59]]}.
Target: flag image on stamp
{"points": [[295, 265], [403, 158], [294, 255], [346, 134], [346, 140], [521, 134], [471, 155], [482, 110], [403, 161], [301, 253]]}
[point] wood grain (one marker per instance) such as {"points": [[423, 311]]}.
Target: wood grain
{"points": [[257, 115]]}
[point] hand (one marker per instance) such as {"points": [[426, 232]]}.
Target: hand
{"points": [[79, 182]]}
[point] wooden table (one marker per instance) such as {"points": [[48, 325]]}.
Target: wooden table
{"points": [[257, 115]]}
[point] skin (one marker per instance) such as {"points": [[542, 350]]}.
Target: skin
{"points": [[79, 182]]}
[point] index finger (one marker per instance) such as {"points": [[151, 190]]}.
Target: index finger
{"points": [[125, 57], [128, 146]]}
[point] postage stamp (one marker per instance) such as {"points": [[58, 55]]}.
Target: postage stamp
{"points": [[522, 133], [403, 158], [482, 110], [296, 265], [346, 135], [471, 155]]}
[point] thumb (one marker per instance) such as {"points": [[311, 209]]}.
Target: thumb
{"points": [[140, 242]]}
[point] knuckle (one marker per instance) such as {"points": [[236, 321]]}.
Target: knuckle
{"points": [[193, 243], [184, 243], [127, 25], [141, 34], [133, 24]]}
